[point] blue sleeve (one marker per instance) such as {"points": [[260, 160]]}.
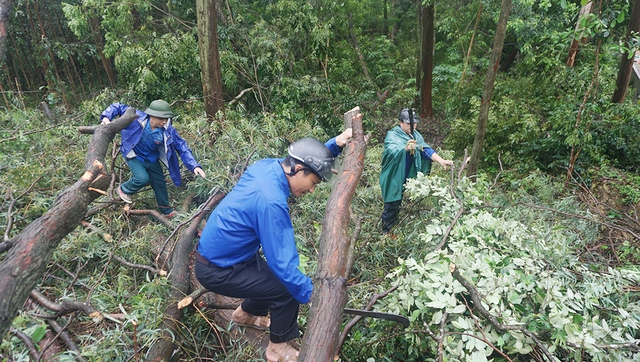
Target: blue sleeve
{"points": [[333, 147], [114, 111], [427, 152], [275, 232], [183, 150]]}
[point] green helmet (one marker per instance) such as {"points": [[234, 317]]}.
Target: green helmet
{"points": [[314, 155], [160, 109]]}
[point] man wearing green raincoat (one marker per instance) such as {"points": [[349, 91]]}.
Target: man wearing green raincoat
{"points": [[405, 154]]}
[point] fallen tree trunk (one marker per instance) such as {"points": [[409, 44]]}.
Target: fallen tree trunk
{"points": [[32, 248], [179, 277], [330, 289]]}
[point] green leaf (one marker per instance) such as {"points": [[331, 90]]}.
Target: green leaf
{"points": [[38, 333]]}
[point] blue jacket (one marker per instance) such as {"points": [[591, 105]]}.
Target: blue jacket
{"points": [[256, 213], [174, 145]]}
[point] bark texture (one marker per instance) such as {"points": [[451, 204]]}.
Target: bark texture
{"points": [[626, 63], [164, 349], [5, 9], [209, 57], [330, 289], [487, 89], [33, 247]]}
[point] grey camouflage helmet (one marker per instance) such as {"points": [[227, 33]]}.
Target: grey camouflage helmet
{"points": [[314, 155], [404, 116]]}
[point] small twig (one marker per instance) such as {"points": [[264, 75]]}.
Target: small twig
{"points": [[446, 233], [139, 266], [440, 339], [66, 338], [479, 327], [13, 201], [156, 214], [239, 96], [65, 307], [33, 351], [495, 181], [465, 162]]}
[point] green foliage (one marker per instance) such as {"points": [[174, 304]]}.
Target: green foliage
{"points": [[521, 265]]}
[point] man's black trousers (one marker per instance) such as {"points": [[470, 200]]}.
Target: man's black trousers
{"points": [[261, 290]]}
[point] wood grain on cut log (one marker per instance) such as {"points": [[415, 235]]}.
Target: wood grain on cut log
{"points": [[32, 248], [329, 288]]}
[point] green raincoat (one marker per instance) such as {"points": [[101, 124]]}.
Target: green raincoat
{"points": [[394, 160]]}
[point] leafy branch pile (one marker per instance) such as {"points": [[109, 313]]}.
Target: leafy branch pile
{"points": [[522, 265]]}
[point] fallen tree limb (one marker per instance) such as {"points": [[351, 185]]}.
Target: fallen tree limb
{"points": [[27, 259], [66, 307], [67, 339], [163, 348]]}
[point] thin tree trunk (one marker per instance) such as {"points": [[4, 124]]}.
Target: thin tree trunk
{"points": [[27, 260], [626, 63], [473, 35], [209, 57], [487, 89], [575, 43], [428, 44], [329, 296], [5, 11]]}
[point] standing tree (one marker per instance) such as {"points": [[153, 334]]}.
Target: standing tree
{"points": [[5, 9], [209, 57], [428, 44], [585, 10], [487, 89], [626, 63]]}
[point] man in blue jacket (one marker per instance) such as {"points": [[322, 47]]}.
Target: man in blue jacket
{"points": [[149, 138], [255, 214]]}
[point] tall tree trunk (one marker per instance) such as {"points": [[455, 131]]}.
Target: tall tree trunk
{"points": [[626, 63], [575, 43], [487, 89], [5, 10], [32, 248], [209, 57], [329, 296], [428, 44]]}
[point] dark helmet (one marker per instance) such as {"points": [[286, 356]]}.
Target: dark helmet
{"points": [[404, 116], [314, 155], [160, 109]]}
